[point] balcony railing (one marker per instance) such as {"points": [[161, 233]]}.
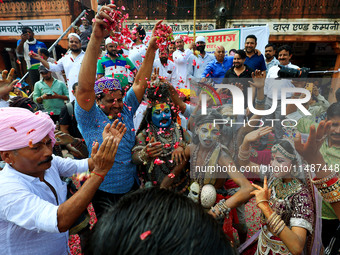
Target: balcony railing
{"points": [[240, 9]]}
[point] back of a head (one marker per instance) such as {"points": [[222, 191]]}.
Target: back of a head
{"points": [[177, 226]]}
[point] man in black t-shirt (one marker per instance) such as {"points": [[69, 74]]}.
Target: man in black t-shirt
{"points": [[240, 73]]}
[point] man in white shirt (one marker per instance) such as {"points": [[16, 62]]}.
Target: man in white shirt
{"points": [[138, 48], [272, 84], [70, 62], [181, 61], [197, 64], [34, 213], [167, 68]]}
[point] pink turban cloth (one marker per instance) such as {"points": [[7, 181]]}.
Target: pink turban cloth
{"points": [[20, 127]]}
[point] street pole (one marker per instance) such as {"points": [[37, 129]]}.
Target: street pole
{"points": [[194, 19]]}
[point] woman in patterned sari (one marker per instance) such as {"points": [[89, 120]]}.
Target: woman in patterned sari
{"points": [[286, 201]]}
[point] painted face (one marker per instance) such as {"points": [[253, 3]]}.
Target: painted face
{"points": [[208, 134], [281, 164], [161, 115]]}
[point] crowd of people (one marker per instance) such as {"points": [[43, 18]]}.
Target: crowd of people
{"points": [[125, 132]]}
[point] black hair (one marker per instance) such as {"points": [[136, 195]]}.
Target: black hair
{"points": [[232, 50], [141, 31], [157, 221], [270, 45], [242, 54], [333, 110], [74, 86], [252, 37], [25, 102], [25, 28], [337, 95], [286, 48], [44, 51]]}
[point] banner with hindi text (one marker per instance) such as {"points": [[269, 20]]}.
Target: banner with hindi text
{"points": [[39, 27], [228, 38]]}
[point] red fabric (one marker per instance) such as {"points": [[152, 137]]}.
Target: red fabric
{"points": [[228, 221], [230, 184]]}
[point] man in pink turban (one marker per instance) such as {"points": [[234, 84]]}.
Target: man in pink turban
{"points": [[34, 214]]}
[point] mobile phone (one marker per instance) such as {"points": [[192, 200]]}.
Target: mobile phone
{"points": [[309, 86]]}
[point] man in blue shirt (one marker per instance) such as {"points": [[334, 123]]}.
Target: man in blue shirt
{"points": [[101, 103], [217, 68], [253, 60], [26, 44]]}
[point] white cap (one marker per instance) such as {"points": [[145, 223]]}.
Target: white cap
{"points": [[177, 37], [200, 39], [109, 40], [73, 35]]}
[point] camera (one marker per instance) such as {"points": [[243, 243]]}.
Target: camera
{"points": [[286, 72]]}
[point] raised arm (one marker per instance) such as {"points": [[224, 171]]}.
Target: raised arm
{"points": [[310, 151], [20, 48], [42, 61], [244, 151], [100, 163], [87, 75], [176, 99]]}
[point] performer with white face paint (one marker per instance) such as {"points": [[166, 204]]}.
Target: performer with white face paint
{"points": [[208, 153]]}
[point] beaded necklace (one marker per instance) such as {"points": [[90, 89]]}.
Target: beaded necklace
{"points": [[284, 190], [199, 178], [168, 137]]}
